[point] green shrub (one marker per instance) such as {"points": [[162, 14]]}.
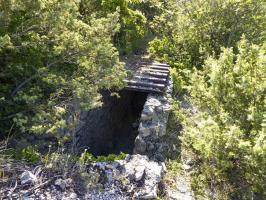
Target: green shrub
{"points": [[228, 134], [131, 21], [28, 154], [189, 31], [87, 158], [50, 58]]}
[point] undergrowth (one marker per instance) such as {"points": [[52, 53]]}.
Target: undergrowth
{"points": [[58, 160]]}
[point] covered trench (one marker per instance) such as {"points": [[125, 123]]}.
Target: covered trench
{"points": [[132, 122], [112, 128]]}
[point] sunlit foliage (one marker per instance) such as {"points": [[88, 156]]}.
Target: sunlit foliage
{"points": [[51, 61]]}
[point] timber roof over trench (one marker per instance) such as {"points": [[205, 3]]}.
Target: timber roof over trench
{"points": [[149, 77]]}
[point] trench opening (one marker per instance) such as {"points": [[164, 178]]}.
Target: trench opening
{"points": [[113, 128]]}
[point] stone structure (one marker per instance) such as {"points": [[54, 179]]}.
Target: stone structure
{"points": [[112, 128], [153, 124], [134, 123]]}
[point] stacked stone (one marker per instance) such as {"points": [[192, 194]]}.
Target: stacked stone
{"points": [[153, 123]]}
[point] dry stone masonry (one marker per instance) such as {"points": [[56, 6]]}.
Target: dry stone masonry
{"points": [[153, 124]]}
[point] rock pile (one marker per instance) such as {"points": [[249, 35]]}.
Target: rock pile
{"points": [[135, 177]]}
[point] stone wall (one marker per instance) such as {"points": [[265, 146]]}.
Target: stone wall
{"points": [[153, 123]]}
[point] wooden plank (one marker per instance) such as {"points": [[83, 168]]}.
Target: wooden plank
{"points": [[155, 70], [160, 64], [152, 79], [158, 67], [143, 89], [145, 84], [157, 64], [154, 74]]}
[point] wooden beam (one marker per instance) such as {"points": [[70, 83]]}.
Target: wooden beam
{"points": [[157, 64], [154, 74], [160, 64], [145, 84], [152, 79], [158, 67], [155, 70], [143, 89]]}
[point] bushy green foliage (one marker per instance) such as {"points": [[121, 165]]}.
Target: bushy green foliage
{"points": [[87, 158], [28, 154], [190, 31], [235, 84], [131, 20], [56, 56], [228, 86], [228, 134], [52, 60]]}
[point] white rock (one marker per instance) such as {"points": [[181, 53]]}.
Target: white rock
{"points": [[146, 117], [27, 177], [162, 131], [26, 198], [73, 195], [186, 167], [153, 102], [163, 166], [139, 172], [144, 132], [109, 175]]}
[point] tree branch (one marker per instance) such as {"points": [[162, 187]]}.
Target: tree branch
{"points": [[38, 74], [23, 83]]}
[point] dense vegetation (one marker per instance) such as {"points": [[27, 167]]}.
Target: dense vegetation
{"points": [[217, 49], [51, 58], [229, 132], [56, 56]]}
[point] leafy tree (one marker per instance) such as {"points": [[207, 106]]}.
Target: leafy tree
{"points": [[131, 20], [189, 31], [52, 60]]}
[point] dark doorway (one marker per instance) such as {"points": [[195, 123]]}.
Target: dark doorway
{"points": [[112, 128]]}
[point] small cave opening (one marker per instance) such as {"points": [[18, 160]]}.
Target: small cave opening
{"points": [[112, 128]]}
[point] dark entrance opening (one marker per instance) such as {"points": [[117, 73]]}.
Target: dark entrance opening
{"points": [[112, 128]]}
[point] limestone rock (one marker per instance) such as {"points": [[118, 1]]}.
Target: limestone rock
{"points": [[73, 195], [27, 177], [139, 172], [153, 123], [140, 145], [146, 117], [144, 131], [186, 167], [153, 102]]}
